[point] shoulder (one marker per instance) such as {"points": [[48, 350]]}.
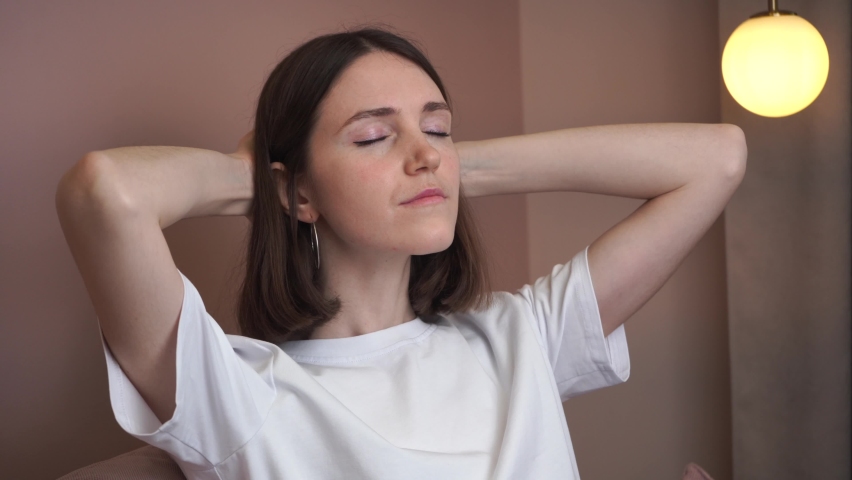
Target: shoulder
{"points": [[508, 318]]}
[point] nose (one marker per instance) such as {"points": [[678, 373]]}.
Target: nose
{"points": [[422, 157]]}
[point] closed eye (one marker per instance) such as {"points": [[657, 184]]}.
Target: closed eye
{"points": [[364, 143], [439, 134]]}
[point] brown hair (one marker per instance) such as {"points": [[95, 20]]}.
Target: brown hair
{"points": [[282, 297]]}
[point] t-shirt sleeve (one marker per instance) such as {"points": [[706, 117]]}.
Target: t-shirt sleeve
{"points": [[565, 314], [223, 392]]}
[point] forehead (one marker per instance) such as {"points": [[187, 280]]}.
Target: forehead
{"points": [[379, 79]]}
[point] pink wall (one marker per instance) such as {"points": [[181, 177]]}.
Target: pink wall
{"points": [[98, 75], [79, 76], [614, 61]]}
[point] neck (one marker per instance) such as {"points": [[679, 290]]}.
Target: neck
{"points": [[373, 291]]}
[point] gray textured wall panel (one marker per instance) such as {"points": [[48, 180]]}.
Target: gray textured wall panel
{"points": [[788, 255]]}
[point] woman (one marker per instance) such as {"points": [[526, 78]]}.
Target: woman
{"points": [[372, 347]]}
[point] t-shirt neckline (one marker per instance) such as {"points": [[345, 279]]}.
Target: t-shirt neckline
{"points": [[331, 350]]}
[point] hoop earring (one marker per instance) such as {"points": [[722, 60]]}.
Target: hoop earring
{"points": [[315, 242]]}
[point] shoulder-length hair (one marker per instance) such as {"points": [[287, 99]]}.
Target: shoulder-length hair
{"points": [[282, 298]]}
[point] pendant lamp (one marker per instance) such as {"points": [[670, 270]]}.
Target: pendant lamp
{"points": [[775, 63]]}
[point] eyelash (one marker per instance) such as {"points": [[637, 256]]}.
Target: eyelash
{"points": [[364, 143]]}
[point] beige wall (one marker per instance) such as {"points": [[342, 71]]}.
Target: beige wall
{"points": [[788, 236], [616, 61], [84, 76]]}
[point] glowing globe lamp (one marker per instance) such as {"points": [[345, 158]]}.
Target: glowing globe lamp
{"points": [[775, 63]]}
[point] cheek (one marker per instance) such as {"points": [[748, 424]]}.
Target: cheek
{"points": [[356, 201], [450, 169]]}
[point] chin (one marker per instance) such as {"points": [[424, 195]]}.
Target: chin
{"points": [[432, 248], [431, 242]]}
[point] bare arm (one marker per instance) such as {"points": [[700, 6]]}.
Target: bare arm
{"points": [[688, 172], [112, 206]]}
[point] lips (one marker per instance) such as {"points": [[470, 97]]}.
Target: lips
{"points": [[429, 192]]}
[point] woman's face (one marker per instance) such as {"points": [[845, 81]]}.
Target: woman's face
{"points": [[381, 139]]}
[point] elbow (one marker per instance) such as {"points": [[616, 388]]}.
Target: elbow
{"points": [[90, 183], [733, 153], [82, 182]]}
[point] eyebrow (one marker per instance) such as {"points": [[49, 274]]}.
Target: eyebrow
{"points": [[387, 111]]}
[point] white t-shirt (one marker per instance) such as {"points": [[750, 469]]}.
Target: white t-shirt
{"points": [[476, 395]]}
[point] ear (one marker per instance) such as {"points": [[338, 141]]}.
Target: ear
{"points": [[305, 210]]}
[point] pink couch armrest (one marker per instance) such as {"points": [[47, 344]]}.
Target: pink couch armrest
{"points": [[146, 463], [694, 472]]}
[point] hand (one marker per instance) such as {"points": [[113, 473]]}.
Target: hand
{"points": [[245, 149]]}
